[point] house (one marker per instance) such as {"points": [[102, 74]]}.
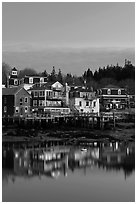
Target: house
{"points": [[132, 101], [83, 100], [113, 97], [13, 80], [15, 102], [49, 98], [28, 81]]}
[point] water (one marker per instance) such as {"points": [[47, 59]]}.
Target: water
{"points": [[102, 172]]}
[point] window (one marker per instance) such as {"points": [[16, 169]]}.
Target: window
{"points": [[119, 91], [30, 80], [15, 82], [86, 95], [17, 109], [5, 109], [41, 93], [87, 103], [80, 103], [41, 102], [26, 109], [41, 80], [34, 102], [5, 100], [94, 103], [35, 93], [109, 91], [26, 100], [21, 101], [14, 72]]}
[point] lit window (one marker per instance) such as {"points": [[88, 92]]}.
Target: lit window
{"points": [[109, 91], [30, 80], [5, 109], [119, 91]]}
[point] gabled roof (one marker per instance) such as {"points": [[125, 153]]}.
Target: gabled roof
{"points": [[9, 91], [12, 91], [14, 69], [43, 86]]}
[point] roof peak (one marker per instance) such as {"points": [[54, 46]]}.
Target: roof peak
{"points": [[14, 69]]}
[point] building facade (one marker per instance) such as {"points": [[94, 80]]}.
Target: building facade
{"points": [[113, 97], [28, 81], [15, 102], [13, 80], [83, 100], [49, 98]]}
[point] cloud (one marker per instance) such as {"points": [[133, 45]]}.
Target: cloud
{"points": [[75, 60]]}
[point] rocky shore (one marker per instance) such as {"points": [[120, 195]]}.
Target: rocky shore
{"points": [[122, 132]]}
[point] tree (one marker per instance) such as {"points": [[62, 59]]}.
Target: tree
{"points": [[52, 76], [69, 79], [6, 69], [59, 76], [105, 81], [44, 74], [28, 72]]}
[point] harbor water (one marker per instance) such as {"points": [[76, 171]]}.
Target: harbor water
{"points": [[95, 172]]}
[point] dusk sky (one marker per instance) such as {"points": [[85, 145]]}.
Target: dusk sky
{"points": [[70, 36]]}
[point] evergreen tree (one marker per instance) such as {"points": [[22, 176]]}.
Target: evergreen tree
{"points": [[44, 74], [52, 76], [59, 77]]}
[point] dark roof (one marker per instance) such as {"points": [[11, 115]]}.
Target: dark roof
{"points": [[80, 89], [9, 91], [12, 91], [14, 69], [42, 86], [111, 86], [36, 76]]}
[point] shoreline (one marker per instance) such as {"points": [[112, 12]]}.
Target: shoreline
{"points": [[122, 132]]}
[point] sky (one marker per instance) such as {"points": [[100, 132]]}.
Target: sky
{"points": [[70, 36]]}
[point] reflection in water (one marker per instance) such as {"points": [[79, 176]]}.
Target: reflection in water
{"points": [[58, 160]]}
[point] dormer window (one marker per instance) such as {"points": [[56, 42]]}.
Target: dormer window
{"points": [[30, 80], [14, 72], [41, 80], [109, 91], [119, 91]]}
